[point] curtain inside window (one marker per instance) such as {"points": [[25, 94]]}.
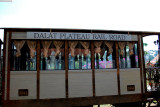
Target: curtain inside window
{"points": [[46, 45], [18, 45], [102, 53], [109, 45], [32, 47], [78, 51], [58, 45], [86, 47], [122, 46], [98, 46], [131, 45], [72, 45]]}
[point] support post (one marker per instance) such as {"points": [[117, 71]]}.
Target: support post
{"points": [[141, 56], [66, 68], [38, 68], [93, 67], [118, 70], [8, 67]]}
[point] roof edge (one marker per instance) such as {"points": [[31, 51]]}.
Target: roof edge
{"points": [[84, 30]]}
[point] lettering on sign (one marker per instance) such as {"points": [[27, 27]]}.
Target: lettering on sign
{"points": [[78, 36], [130, 87], [23, 92]]}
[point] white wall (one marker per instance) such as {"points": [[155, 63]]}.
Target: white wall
{"points": [[106, 82], [80, 83], [23, 80], [130, 77], [52, 84]]}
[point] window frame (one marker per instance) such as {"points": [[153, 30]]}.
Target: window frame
{"points": [[21, 58], [132, 58], [50, 47], [114, 64], [81, 60]]}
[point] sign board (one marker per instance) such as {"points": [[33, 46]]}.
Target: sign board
{"points": [[78, 36], [130, 87], [23, 92]]}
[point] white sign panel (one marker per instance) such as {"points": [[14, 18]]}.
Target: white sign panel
{"points": [[78, 36]]}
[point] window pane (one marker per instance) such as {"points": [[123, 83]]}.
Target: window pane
{"points": [[23, 55], [136, 55], [104, 55], [150, 45], [79, 55], [52, 55], [127, 59], [128, 55]]}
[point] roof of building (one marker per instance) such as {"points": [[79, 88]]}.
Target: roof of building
{"points": [[83, 30]]}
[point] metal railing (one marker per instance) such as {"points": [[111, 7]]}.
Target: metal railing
{"points": [[153, 79]]}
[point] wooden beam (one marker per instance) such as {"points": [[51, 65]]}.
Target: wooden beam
{"points": [[140, 59], [73, 102], [66, 68], [93, 68], [118, 70], [38, 68], [8, 67], [143, 66], [80, 30]]}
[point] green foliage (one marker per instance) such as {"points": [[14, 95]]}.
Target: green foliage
{"points": [[145, 45], [157, 64]]}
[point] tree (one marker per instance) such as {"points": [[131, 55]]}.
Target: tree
{"points": [[145, 45]]}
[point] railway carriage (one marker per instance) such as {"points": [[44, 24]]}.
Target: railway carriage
{"points": [[72, 67]]}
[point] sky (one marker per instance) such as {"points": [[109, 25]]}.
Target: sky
{"points": [[135, 15], [150, 41]]}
